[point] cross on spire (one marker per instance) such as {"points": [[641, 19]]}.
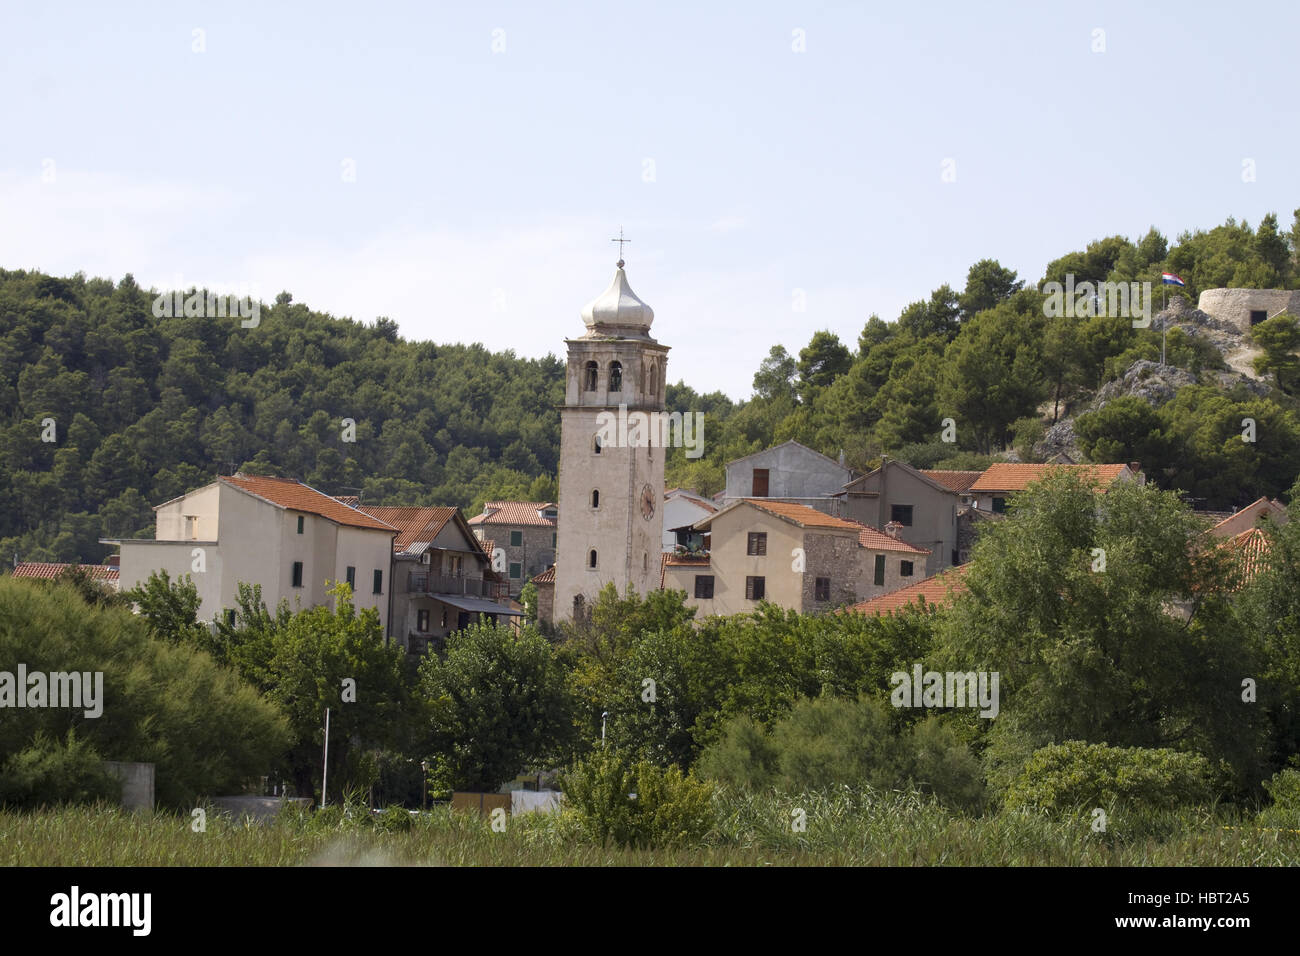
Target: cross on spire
{"points": [[620, 240]]}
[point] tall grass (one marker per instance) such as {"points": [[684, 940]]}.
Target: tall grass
{"points": [[753, 829]]}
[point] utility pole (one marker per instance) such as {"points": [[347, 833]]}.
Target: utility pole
{"points": [[325, 774]]}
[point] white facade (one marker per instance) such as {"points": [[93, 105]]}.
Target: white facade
{"points": [[221, 535], [681, 509]]}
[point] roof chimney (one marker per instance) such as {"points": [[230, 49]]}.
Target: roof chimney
{"points": [[1135, 466], [893, 528]]}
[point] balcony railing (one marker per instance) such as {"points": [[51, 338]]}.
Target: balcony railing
{"points": [[426, 582]]}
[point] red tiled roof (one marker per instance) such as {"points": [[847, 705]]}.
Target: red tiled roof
{"points": [[952, 480], [937, 590], [295, 496], [802, 514], [546, 577], [669, 559], [1008, 476], [514, 513], [412, 524], [1251, 549], [48, 572], [352, 501], [876, 540]]}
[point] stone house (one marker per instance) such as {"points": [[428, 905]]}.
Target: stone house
{"points": [[523, 538], [791, 555], [788, 472], [925, 504], [291, 539], [442, 579]]}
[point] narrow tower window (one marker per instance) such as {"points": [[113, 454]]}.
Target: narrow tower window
{"points": [[593, 375], [615, 376], [591, 558], [595, 499]]}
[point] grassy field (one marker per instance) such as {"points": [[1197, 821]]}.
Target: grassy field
{"points": [[842, 829]]}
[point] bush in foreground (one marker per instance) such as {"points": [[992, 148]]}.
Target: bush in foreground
{"points": [[637, 804]]}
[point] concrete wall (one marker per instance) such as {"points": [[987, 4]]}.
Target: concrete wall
{"points": [[202, 503], [871, 498], [137, 783], [794, 472], [367, 551], [1235, 305], [142, 558]]}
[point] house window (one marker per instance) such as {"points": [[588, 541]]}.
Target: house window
{"points": [[757, 543], [453, 563], [955, 557], [822, 589], [704, 586], [615, 376], [351, 575], [595, 499], [516, 538], [192, 527], [300, 522], [379, 581], [760, 483], [755, 588], [595, 445], [516, 570], [552, 539], [230, 617], [444, 616], [902, 514], [593, 376], [591, 558], [999, 506], [297, 574], [421, 620], [879, 578], [905, 568]]}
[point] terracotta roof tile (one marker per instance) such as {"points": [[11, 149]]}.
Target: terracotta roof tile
{"points": [[514, 513], [876, 540], [937, 590], [952, 480], [1008, 476], [669, 559], [802, 514], [48, 572], [546, 577], [413, 524], [295, 496]]}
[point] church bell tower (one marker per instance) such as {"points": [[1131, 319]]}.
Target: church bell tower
{"points": [[610, 526]]}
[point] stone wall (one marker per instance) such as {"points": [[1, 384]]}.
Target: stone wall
{"points": [[1235, 305]]}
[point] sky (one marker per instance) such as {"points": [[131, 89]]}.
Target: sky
{"points": [[779, 168]]}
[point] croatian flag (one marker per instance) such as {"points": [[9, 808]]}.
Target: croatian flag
{"points": [[1170, 279]]}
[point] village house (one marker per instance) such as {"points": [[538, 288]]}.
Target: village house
{"points": [[925, 504], [788, 472], [934, 592], [1000, 481], [442, 578], [292, 540], [524, 534], [791, 555]]}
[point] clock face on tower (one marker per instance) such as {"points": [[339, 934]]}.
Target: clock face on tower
{"points": [[647, 502]]}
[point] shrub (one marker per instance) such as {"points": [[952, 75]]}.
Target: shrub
{"points": [[1077, 775], [52, 771], [637, 804], [1284, 789]]}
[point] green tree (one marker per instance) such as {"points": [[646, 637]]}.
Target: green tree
{"points": [[1279, 338]]}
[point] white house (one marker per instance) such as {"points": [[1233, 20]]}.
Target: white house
{"points": [[682, 508], [286, 536]]}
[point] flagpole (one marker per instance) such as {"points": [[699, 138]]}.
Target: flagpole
{"points": [[1164, 318]]}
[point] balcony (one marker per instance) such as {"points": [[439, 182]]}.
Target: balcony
{"points": [[426, 582]]}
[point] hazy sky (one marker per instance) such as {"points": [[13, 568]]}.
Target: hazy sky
{"points": [[498, 146]]}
